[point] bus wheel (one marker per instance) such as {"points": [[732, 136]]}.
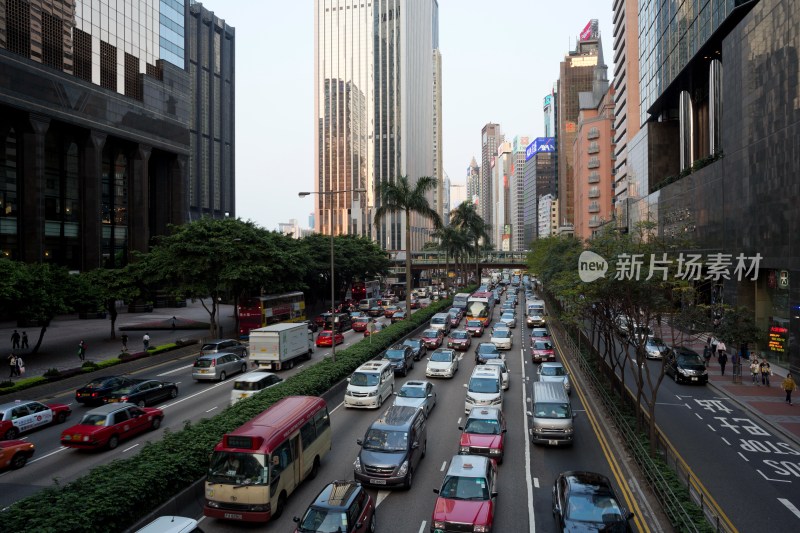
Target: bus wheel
{"points": [[281, 504], [314, 469]]}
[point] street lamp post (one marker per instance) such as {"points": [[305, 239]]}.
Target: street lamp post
{"points": [[333, 283]]}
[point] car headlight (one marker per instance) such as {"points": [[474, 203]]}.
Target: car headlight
{"points": [[568, 430], [682, 370], [495, 451], [403, 470], [464, 449], [357, 465], [470, 399], [212, 503], [372, 393], [438, 524], [480, 529]]}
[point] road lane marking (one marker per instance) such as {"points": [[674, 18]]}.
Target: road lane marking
{"points": [[770, 479], [221, 383], [382, 495], [422, 526], [743, 456], [61, 449], [129, 449], [209, 410], [167, 373], [536, 482], [698, 416], [789, 505], [458, 422], [444, 465], [711, 428], [528, 481], [725, 441]]}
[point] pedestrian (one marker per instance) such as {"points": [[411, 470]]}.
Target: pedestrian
{"points": [[24, 340], [20, 366], [174, 323], [755, 370], [789, 385], [721, 348], [82, 350], [766, 371], [723, 359], [12, 365], [146, 341], [15, 340], [712, 341], [707, 354], [124, 342]]}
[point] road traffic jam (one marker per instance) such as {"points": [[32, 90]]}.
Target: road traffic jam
{"points": [[259, 469]]}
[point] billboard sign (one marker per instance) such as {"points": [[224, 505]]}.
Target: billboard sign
{"points": [[589, 30], [548, 100], [540, 144]]}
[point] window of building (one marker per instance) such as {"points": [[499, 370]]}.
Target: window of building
{"points": [[52, 41], [8, 196], [114, 205], [18, 27], [133, 81], [82, 50], [108, 66]]}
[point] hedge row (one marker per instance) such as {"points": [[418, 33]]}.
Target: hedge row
{"points": [[115, 496]]}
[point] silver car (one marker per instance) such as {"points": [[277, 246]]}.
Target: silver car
{"points": [[224, 345], [509, 318], [218, 366], [555, 373], [502, 338], [418, 394]]}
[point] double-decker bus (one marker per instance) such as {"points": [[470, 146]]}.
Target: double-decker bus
{"points": [[361, 290], [480, 306], [254, 469], [461, 299], [261, 311]]}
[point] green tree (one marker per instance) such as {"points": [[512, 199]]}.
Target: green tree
{"points": [[10, 274], [103, 287], [453, 242], [43, 292], [466, 218], [401, 196]]}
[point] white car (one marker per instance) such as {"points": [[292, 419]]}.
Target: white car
{"points": [[442, 363], [655, 348], [502, 338], [418, 394], [509, 318], [555, 373], [501, 364]]}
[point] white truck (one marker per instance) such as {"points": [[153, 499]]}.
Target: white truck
{"points": [[278, 346]]}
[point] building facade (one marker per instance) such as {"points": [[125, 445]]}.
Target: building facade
{"points": [[473, 180], [491, 138], [502, 166], [548, 216], [540, 179], [373, 109], [94, 128], [458, 195], [517, 192], [439, 194]]}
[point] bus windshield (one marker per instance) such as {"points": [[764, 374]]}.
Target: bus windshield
{"points": [[478, 309], [238, 468]]}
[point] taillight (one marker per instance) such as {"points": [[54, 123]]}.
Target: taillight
{"points": [[124, 399], [213, 362]]}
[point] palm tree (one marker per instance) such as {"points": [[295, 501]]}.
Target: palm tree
{"points": [[466, 217], [402, 197], [452, 241]]}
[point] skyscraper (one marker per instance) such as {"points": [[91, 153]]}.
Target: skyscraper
{"points": [[501, 166], [473, 180], [373, 107], [441, 189], [517, 190], [491, 137]]}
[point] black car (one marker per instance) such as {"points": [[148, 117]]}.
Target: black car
{"points": [[685, 365], [341, 506], [486, 351], [401, 357], [145, 392], [98, 390], [586, 501], [418, 347]]}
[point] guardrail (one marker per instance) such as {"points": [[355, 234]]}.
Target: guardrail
{"points": [[593, 366]]}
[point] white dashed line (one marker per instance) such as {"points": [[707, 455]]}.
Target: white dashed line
{"points": [[174, 370], [725, 441], [209, 410], [444, 465], [698, 416], [743, 457], [422, 526], [129, 449], [789, 505], [711, 428], [536, 482]]}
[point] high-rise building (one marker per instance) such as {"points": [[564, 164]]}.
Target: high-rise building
{"points": [[550, 115], [517, 192], [501, 166], [94, 128], [491, 138], [438, 172], [373, 107], [548, 216], [473, 180], [540, 179], [576, 76], [458, 195], [211, 53]]}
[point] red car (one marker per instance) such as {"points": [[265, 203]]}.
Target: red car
{"points": [[475, 327], [106, 426], [360, 324], [15, 453], [388, 312], [432, 338], [484, 433], [414, 304], [468, 495], [22, 416], [459, 339], [542, 350], [326, 338]]}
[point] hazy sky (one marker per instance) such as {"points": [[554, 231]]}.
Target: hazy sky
{"points": [[499, 59]]}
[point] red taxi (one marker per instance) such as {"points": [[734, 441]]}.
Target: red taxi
{"points": [[459, 339], [468, 495], [327, 338], [21, 416], [15, 453], [484, 433], [475, 327], [360, 323], [542, 351], [432, 338], [110, 424], [388, 312]]}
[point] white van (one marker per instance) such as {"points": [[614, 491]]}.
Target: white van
{"points": [[485, 388], [368, 303], [370, 385], [552, 414], [252, 383], [441, 321]]}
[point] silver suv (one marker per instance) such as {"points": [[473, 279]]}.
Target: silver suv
{"points": [[218, 366]]}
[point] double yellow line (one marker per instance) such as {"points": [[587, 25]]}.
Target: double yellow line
{"points": [[627, 494]]}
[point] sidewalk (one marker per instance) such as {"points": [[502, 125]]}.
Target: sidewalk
{"points": [[59, 347], [766, 404]]}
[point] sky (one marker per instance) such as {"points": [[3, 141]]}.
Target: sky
{"points": [[499, 59]]}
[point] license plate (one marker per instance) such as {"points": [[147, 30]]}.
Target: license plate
{"points": [[694, 378], [76, 437], [233, 515], [83, 394], [552, 442], [112, 400], [204, 371], [378, 481]]}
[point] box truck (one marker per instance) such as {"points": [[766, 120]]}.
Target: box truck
{"points": [[278, 346]]}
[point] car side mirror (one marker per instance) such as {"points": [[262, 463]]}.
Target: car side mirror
{"points": [[359, 525], [494, 494], [436, 491], [359, 442], [348, 380], [394, 394], [297, 519], [466, 386], [430, 395], [504, 430], [574, 415], [628, 514], [415, 446], [528, 413]]}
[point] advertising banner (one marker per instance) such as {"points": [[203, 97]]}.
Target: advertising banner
{"points": [[586, 34], [540, 144]]}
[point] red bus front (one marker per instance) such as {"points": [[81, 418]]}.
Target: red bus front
{"points": [[251, 316]]}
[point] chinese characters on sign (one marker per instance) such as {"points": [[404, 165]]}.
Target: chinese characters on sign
{"points": [[777, 339], [690, 267]]}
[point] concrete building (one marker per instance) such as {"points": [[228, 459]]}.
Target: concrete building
{"points": [[576, 75], [445, 214], [502, 166], [517, 193], [473, 180], [550, 113], [458, 195], [491, 138], [95, 114], [373, 107], [439, 202], [540, 179], [548, 216]]}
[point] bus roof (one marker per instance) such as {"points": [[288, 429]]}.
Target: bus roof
{"points": [[271, 427], [486, 294]]}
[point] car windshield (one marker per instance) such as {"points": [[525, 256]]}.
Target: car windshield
{"points": [[395, 355], [325, 334], [209, 347], [238, 468], [484, 385], [441, 357], [90, 419], [380, 440], [362, 320], [430, 333], [487, 349], [203, 363], [363, 379], [539, 333], [474, 323], [690, 360], [507, 315], [459, 335], [656, 343], [551, 410], [542, 345], [593, 507], [553, 371], [465, 488], [438, 320], [499, 363], [502, 334], [411, 392], [414, 343], [482, 426], [323, 521], [96, 383]]}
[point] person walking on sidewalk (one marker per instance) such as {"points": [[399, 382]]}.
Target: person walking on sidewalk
{"points": [[24, 340], [723, 360], [82, 350], [766, 371], [13, 368], [707, 353], [788, 386], [124, 342], [714, 343], [146, 341], [755, 369], [15, 340]]}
